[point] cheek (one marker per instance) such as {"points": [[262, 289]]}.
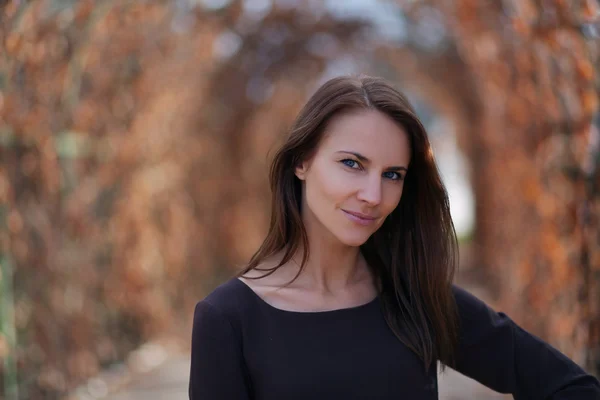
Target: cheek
{"points": [[329, 185]]}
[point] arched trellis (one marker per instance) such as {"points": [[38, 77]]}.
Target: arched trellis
{"points": [[532, 68], [143, 208], [526, 96]]}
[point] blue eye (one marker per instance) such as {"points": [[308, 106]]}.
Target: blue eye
{"points": [[350, 163], [393, 176]]}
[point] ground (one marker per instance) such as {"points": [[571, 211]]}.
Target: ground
{"points": [[170, 381]]}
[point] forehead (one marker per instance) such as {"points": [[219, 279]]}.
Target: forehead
{"points": [[369, 132]]}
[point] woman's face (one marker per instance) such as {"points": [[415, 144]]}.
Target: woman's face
{"points": [[355, 178]]}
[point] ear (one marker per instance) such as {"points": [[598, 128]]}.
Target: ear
{"points": [[301, 170]]}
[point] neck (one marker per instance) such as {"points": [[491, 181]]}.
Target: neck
{"points": [[332, 266]]}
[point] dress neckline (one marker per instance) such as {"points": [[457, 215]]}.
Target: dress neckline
{"points": [[336, 311]]}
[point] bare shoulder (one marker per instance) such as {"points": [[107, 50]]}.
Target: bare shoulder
{"points": [[267, 274], [261, 278], [273, 284]]}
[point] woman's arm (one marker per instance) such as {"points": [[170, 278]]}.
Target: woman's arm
{"points": [[217, 368], [504, 357]]}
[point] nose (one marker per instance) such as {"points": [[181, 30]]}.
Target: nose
{"points": [[370, 192]]}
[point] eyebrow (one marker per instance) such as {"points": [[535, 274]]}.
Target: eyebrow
{"points": [[366, 160]]}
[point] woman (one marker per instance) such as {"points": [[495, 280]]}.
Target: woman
{"points": [[350, 295]]}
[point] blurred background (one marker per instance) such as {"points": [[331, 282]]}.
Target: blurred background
{"points": [[134, 145]]}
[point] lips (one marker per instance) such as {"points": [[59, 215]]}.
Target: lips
{"points": [[360, 215]]}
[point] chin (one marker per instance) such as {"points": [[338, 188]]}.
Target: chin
{"points": [[353, 240]]}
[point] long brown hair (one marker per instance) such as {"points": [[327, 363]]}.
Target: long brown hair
{"points": [[413, 255]]}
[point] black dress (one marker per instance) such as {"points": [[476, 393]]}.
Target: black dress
{"points": [[244, 348]]}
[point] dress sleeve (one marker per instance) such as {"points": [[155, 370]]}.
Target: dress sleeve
{"points": [[217, 369], [499, 354]]}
